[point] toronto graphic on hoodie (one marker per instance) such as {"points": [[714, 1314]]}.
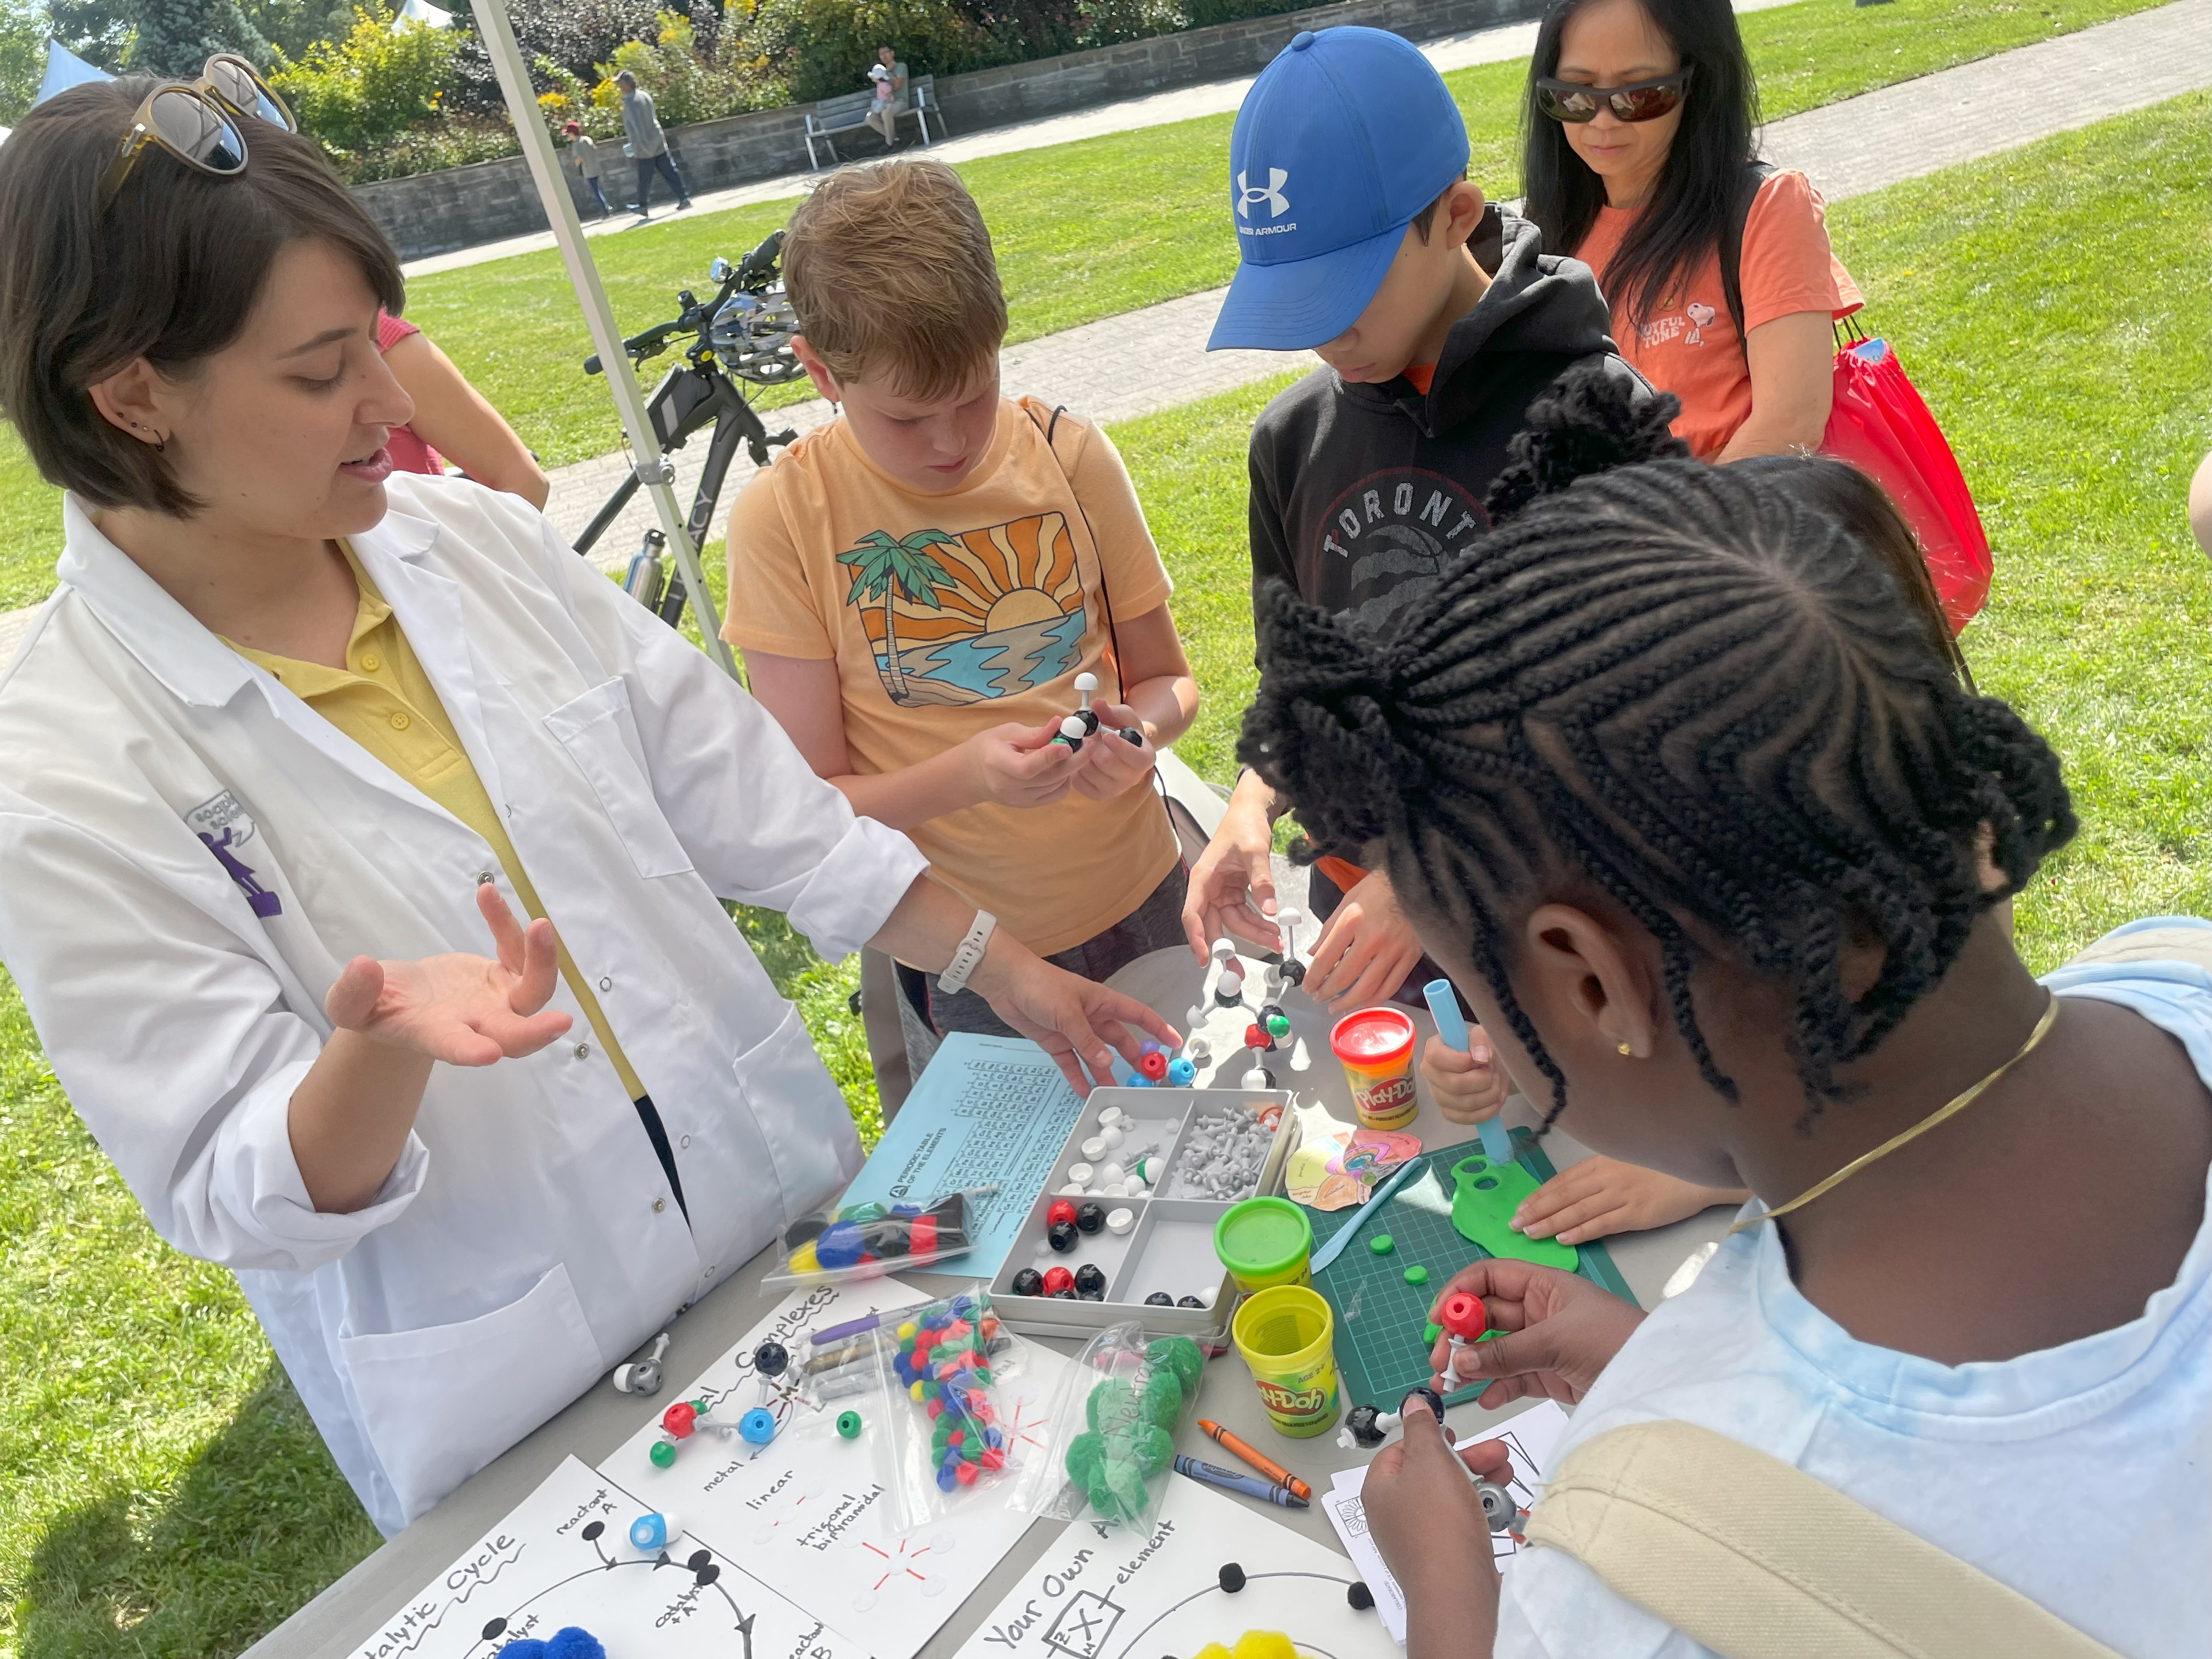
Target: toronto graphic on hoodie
{"points": [[1362, 495]]}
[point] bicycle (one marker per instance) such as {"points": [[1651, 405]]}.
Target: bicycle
{"points": [[744, 333]]}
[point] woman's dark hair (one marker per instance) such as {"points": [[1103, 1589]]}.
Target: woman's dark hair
{"points": [[1700, 186], [169, 272], [1697, 691]]}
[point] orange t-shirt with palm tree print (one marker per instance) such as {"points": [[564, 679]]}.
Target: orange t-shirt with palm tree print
{"points": [[949, 614]]}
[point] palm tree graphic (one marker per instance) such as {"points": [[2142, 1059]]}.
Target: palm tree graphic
{"points": [[885, 566]]}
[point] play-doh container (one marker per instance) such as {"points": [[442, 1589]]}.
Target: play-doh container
{"points": [[1284, 1335], [1374, 1046], [1264, 1242]]}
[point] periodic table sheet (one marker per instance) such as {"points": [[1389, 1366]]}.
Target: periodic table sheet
{"points": [[988, 1111]]}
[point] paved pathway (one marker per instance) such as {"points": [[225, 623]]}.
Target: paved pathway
{"points": [[1156, 358], [1187, 103], [1153, 359]]}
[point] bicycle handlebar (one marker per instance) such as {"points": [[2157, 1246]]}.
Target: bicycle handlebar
{"points": [[755, 269]]}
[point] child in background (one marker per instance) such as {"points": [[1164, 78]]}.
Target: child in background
{"points": [[1358, 235], [1687, 801], [917, 585]]}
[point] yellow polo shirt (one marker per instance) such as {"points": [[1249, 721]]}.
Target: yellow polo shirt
{"points": [[385, 703]]}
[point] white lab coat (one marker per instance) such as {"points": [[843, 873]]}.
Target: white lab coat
{"points": [[527, 1238]]}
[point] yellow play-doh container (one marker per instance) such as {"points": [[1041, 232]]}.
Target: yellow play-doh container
{"points": [[1284, 1336], [1374, 1046]]}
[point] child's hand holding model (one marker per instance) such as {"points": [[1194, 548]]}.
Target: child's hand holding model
{"points": [[1679, 791]]}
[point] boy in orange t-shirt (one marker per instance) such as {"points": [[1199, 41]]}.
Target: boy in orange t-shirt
{"points": [[917, 585]]}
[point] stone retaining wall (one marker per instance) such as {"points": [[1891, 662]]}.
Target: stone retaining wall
{"points": [[460, 207]]}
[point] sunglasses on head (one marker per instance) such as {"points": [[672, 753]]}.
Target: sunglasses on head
{"points": [[1641, 100], [198, 122]]}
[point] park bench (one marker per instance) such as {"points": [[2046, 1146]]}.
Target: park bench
{"points": [[849, 110]]}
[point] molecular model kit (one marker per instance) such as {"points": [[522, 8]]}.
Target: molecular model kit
{"points": [[1124, 1228]]}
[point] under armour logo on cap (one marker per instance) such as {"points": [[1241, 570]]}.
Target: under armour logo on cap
{"points": [[1271, 193]]}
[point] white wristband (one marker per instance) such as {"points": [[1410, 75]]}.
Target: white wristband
{"points": [[954, 977]]}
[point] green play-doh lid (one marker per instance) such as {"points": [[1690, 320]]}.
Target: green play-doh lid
{"points": [[1262, 1236]]}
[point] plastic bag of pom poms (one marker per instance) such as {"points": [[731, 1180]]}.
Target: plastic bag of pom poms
{"points": [[945, 1440], [866, 1241], [1113, 1427]]}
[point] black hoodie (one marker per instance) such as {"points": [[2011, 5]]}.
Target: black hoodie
{"points": [[1361, 494]]}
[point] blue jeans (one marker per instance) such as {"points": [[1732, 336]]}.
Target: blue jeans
{"points": [[664, 164], [601, 197]]}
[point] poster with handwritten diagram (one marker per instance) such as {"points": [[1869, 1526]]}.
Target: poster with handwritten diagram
{"points": [[564, 1557], [1118, 1593], [808, 1511], [1531, 1438]]}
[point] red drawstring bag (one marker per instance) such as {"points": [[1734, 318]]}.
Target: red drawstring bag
{"points": [[1881, 425]]}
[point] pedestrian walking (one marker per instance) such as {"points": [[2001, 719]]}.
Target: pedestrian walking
{"points": [[585, 156], [648, 145]]}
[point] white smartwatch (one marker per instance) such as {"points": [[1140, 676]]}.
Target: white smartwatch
{"points": [[954, 977]]}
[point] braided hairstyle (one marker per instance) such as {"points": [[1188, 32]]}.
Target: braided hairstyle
{"points": [[1690, 687]]}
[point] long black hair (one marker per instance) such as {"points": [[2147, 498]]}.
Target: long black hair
{"points": [[1693, 689], [1706, 168]]}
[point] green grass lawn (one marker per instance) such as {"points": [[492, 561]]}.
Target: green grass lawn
{"points": [[1083, 230], [166, 1494]]}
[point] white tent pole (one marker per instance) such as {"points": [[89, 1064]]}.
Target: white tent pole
{"points": [[654, 474]]}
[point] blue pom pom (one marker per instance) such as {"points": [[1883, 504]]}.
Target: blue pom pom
{"points": [[528, 1647], [946, 1481], [571, 1642], [993, 1439]]}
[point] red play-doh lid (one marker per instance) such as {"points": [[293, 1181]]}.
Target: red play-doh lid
{"points": [[1372, 1038]]}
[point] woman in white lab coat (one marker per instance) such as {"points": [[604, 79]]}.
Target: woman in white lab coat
{"points": [[253, 900]]}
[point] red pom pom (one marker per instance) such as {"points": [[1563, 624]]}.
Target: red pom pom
{"points": [[984, 1414], [994, 1459], [922, 1240], [955, 1436], [964, 1473], [935, 1406], [678, 1418]]}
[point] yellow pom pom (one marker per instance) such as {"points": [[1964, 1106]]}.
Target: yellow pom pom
{"points": [[1213, 1650], [802, 1258], [914, 1393], [906, 1331], [1265, 1644]]}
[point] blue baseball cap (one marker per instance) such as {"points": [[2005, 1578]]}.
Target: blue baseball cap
{"points": [[1343, 138]]}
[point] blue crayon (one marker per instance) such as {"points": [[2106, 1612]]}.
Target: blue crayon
{"points": [[1251, 1485], [1452, 1026]]}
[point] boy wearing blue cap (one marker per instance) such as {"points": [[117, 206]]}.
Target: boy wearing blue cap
{"points": [[1438, 320]]}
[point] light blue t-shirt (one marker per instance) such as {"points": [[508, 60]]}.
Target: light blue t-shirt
{"points": [[2082, 1476]]}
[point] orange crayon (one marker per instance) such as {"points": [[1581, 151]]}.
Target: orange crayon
{"points": [[1259, 1460]]}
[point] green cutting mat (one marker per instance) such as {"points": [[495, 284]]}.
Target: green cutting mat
{"points": [[1379, 1316]]}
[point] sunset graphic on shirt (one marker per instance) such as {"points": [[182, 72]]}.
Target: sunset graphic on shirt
{"points": [[968, 617]]}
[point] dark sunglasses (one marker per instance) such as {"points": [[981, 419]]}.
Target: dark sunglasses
{"points": [[1641, 100], [198, 122]]}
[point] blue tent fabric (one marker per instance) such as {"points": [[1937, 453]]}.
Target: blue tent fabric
{"points": [[64, 69]]}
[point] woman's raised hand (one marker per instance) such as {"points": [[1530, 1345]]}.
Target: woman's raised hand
{"points": [[463, 1009]]}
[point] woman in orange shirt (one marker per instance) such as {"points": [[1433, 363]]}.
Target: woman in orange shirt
{"points": [[1638, 156]]}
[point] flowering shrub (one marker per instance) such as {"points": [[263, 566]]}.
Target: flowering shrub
{"points": [[362, 94]]}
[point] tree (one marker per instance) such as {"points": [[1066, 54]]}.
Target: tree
{"points": [[175, 37], [22, 58], [98, 31], [884, 567]]}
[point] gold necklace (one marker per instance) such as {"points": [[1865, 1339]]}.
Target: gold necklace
{"points": [[1957, 1103]]}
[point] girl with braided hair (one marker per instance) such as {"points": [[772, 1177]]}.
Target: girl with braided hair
{"points": [[1697, 814]]}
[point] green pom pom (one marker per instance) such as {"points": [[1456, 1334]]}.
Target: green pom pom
{"points": [[1112, 1405], [1117, 1490], [1180, 1354], [1153, 1448], [1085, 1454], [1162, 1403]]}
